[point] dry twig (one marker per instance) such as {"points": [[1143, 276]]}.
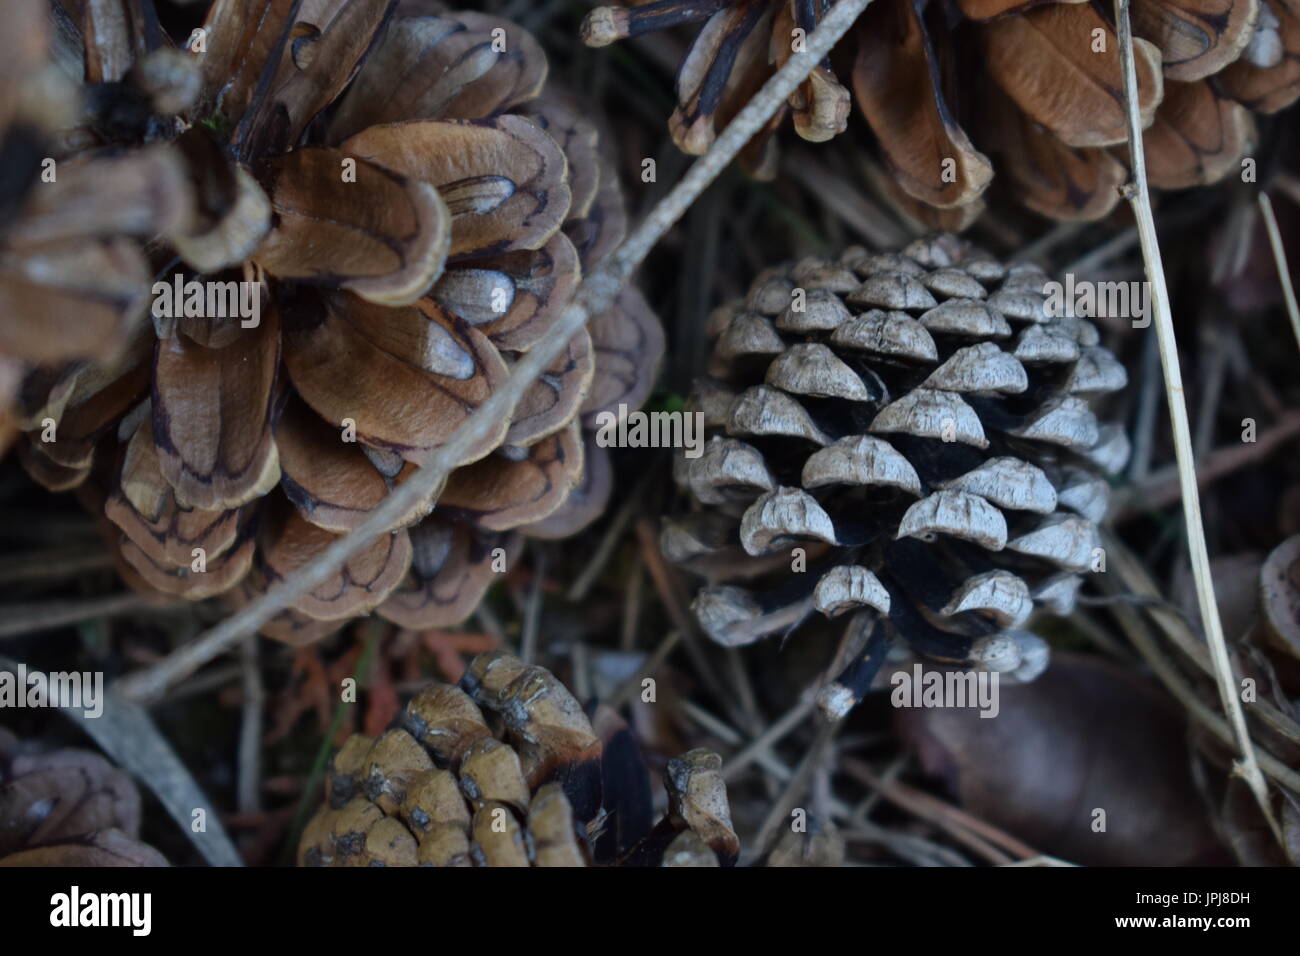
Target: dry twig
{"points": [[1140, 200]]}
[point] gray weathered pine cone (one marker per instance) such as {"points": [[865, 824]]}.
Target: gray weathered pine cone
{"points": [[67, 808], [920, 426], [442, 788]]}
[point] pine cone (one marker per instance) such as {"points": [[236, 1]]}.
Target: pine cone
{"points": [[919, 428], [1050, 96], [74, 275], [443, 789], [415, 218], [67, 808]]}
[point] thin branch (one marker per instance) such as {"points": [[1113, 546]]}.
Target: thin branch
{"points": [[594, 297], [19, 620], [533, 611], [1140, 200], [1279, 259], [768, 738], [1160, 488], [249, 792]]}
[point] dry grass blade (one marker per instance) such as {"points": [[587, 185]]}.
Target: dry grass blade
{"points": [[1140, 200], [596, 294], [1279, 258]]}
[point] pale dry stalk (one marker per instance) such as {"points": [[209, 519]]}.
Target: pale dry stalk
{"points": [[1139, 198]]}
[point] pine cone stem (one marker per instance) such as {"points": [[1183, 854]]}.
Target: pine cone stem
{"points": [[595, 296], [1139, 198]]}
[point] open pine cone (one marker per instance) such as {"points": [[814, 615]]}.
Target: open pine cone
{"points": [[1037, 83], [444, 789], [920, 429], [74, 275], [67, 808], [414, 217]]}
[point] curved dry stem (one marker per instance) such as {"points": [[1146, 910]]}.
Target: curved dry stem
{"points": [[1139, 198]]}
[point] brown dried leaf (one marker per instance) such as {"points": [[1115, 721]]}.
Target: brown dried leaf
{"points": [[1084, 736]]}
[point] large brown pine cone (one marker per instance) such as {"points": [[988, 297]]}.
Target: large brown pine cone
{"points": [[444, 788], [67, 808], [417, 218], [1032, 82], [920, 429]]}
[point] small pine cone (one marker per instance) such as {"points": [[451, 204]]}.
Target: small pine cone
{"points": [[443, 788], [409, 216], [919, 426], [67, 808]]}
